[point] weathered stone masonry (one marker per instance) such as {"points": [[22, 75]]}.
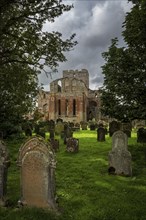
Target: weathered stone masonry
{"points": [[70, 98]]}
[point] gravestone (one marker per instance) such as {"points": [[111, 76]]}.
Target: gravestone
{"points": [[141, 135], [37, 174], [4, 164], [113, 126], [119, 156], [92, 127], [84, 125], [72, 145], [126, 128], [59, 127], [52, 134], [59, 120], [54, 144], [67, 133], [101, 132]]}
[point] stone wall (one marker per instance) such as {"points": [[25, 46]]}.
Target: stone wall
{"points": [[70, 98]]}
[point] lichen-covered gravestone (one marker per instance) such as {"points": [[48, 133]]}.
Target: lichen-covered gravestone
{"points": [[4, 164], [37, 176], [54, 144], [72, 145], [120, 157], [68, 133]]}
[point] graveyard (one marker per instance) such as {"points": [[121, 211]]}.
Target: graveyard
{"points": [[83, 186]]}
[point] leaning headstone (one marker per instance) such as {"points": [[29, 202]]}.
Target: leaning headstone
{"points": [[4, 164], [37, 174], [120, 157], [101, 132], [72, 145], [141, 135]]}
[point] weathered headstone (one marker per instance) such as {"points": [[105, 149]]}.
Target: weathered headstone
{"points": [[126, 128], [54, 144], [72, 145], [59, 127], [113, 126], [67, 133], [141, 135], [92, 127], [37, 174], [59, 120], [4, 164], [101, 132], [120, 157], [84, 125]]}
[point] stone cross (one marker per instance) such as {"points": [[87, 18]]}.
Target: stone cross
{"points": [[119, 156], [37, 174]]}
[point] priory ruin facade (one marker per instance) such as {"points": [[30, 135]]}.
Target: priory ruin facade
{"points": [[70, 98]]}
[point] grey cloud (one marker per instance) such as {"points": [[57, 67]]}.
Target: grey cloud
{"points": [[95, 24]]}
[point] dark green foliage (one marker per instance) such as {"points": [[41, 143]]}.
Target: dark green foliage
{"points": [[22, 36], [18, 89], [123, 93], [26, 49]]}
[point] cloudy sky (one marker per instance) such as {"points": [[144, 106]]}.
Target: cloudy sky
{"points": [[95, 23]]}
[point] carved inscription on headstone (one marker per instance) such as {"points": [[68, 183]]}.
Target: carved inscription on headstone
{"points": [[37, 164]]}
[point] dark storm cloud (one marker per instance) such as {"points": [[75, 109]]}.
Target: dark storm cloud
{"points": [[95, 24]]}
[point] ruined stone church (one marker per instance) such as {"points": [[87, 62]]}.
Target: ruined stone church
{"points": [[70, 98]]}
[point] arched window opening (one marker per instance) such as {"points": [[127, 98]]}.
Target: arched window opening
{"points": [[74, 107], [59, 86]]}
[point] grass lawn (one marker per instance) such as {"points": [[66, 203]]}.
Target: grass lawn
{"points": [[85, 190]]}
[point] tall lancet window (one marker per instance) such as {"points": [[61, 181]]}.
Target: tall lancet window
{"points": [[74, 107], [59, 107]]}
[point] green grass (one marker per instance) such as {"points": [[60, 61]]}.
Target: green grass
{"points": [[85, 190]]}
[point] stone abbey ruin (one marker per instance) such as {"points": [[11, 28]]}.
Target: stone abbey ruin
{"points": [[70, 98]]}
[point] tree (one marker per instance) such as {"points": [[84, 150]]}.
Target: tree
{"points": [[17, 95], [22, 37], [26, 50], [124, 88]]}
